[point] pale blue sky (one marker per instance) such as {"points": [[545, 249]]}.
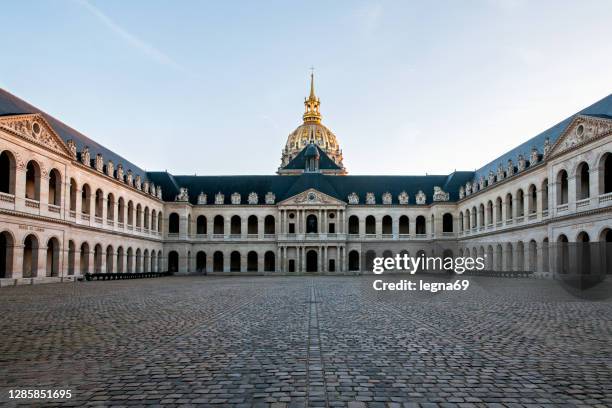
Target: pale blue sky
{"points": [[212, 87]]}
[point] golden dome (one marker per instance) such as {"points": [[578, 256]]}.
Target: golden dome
{"points": [[312, 130]]}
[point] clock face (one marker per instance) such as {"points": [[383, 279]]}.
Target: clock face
{"points": [[312, 196]]}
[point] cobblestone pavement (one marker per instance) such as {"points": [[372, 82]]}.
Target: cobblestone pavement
{"points": [[306, 341]]}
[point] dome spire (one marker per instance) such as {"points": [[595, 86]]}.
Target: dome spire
{"points": [[312, 103]]}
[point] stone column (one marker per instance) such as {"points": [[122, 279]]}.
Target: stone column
{"points": [[571, 193], [227, 227], [42, 259], [594, 185]]}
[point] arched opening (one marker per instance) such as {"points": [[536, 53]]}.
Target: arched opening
{"points": [[369, 260], [55, 187], [98, 258], [219, 225], [447, 222], [520, 203], [7, 172], [311, 224], [84, 258], [583, 252], [130, 260], [99, 203], [269, 225], [32, 187], [146, 218], [120, 260], [532, 203], [474, 217], [6, 254], [138, 261], [121, 210], [30, 257], [110, 207], [404, 225], [201, 225], [370, 225], [130, 213], [498, 207], [235, 261], [387, 225], [153, 220], [562, 189], [468, 220], [71, 257], [533, 255], [252, 261], [252, 225], [509, 214], [520, 256], [489, 259], [73, 195], [545, 195], [110, 255], [86, 199], [53, 257], [312, 261], [605, 174], [269, 262], [353, 225], [353, 260], [160, 225], [173, 223], [545, 255], [235, 225], [218, 261], [582, 181], [153, 261], [490, 212], [605, 244], [499, 258], [138, 215], [481, 215], [420, 225], [562, 255], [173, 261], [461, 221]]}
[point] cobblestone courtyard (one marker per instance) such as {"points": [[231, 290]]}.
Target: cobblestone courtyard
{"points": [[306, 341]]}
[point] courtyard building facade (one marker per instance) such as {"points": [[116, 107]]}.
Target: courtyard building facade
{"points": [[69, 206]]}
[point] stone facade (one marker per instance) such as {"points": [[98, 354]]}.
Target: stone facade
{"points": [[63, 214]]}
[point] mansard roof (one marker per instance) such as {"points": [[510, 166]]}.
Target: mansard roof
{"points": [[299, 161], [287, 186], [12, 105], [600, 109]]}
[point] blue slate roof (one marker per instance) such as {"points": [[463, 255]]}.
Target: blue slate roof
{"points": [[299, 161], [287, 186], [12, 105], [601, 109]]}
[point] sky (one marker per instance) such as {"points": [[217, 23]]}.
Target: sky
{"points": [[213, 87]]}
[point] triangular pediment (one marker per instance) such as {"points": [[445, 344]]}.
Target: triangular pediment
{"points": [[581, 130], [311, 197], [35, 128]]}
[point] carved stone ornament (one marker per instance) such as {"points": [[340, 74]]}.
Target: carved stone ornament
{"points": [[439, 194], [468, 188], [158, 192], [522, 163], [461, 192], [420, 197], [145, 186], [202, 198], [547, 147], [270, 197], [500, 172], [219, 198], [120, 173], [138, 182], [86, 157], [533, 158], [183, 195], [481, 183], [253, 198], [152, 188], [110, 168], [510, 168], [386, 198], [491, 177], [370, 198], [72, 148], [235, 198], [130, 178], [403, 198], [474, 186], [353, 198], [99, 162]]}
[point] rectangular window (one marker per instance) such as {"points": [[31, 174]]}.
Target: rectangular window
{"points": [[292, 265], [332, 265], [292, 228], [332, 228]]}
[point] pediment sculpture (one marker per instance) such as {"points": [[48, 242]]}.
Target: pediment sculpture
{"points": [[253, 198], [183, 195], [270, 197], [370, 198], [353, 198], [219, 198], [439, 194], [235, 198], [202, 198], [420, 197], [386, 198], [403, 198]]}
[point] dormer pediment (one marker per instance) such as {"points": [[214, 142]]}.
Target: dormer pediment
{"points": [[311, 197], [581, 130], [35, 128]]}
